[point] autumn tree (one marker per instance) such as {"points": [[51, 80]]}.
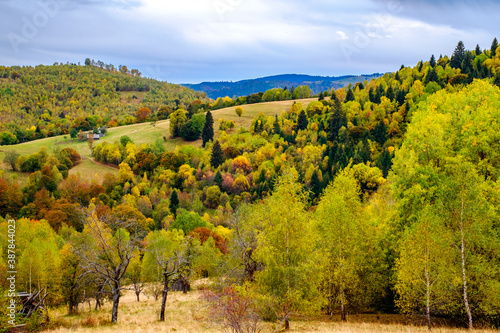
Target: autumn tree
{"points": [[177, 120], [284, 246], [423, 268], [133, 275], [239, 111], [446, 165], [37, 257], [107, 246], [165, 255], [339, 219], [74, 277], [11, 159], [143, 114]]}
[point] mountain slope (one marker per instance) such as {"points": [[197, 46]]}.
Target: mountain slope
{"points": [[248, 87]]}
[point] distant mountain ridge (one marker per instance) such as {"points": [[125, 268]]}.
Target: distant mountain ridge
{"points": [[248, 87]]}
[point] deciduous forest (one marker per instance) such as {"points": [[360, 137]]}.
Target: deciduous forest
{"points": [[381, 197]]}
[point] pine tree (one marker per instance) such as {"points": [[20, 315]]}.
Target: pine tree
{"points": [[218, 179], [276, 126], [432, 62], [174, 202], [208, 129], [217, 157], [315, 185], [478, 50], [350, 96], [390, 93], [385, 162], [365, 152], [396, 77], [380, 133], [497, 80], [467, 67], [335, 123], [334, 95], [431, 76], [458, 56], [302, 121], [494, 46]]}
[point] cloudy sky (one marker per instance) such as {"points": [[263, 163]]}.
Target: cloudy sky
{"points": [[189, 41]]}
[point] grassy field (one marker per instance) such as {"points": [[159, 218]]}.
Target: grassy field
{"points": [[90, 170], [142, 133], [252, 110], [188, 313]]}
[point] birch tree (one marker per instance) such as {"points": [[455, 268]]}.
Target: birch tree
{"points": [[343, 243], [164, 257], [285, 249]]}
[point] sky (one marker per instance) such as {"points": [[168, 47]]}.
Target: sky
{"points": [[191, 41]]}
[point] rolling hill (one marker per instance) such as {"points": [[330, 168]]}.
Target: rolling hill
{"points": [[44, 101]]}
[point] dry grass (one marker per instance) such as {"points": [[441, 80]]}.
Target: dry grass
{"points": [[187, 313], [90, 170], [252, 110], [184, 313]]}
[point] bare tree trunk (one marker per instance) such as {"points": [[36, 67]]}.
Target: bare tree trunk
{"points": [[164, 297], [97, 302], [73, 304], [464, 273], [287, 324], [98, 296], [331, 304], [116, 301], [342, 306], [137, 293], [428, 296]]}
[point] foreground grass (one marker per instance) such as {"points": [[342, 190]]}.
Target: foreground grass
{"points": [[188, 313]]}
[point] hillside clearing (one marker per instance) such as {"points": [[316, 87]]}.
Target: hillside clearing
{"points": [[143, 133]]}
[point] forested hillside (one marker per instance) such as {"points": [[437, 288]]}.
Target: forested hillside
{"points": [[381, 197], [247, 87], [44, 101]]}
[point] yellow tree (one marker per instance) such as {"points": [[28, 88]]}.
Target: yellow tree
{"points": [[107, 246], [423, 269], [163, 260], [285, 248], [177, 120], [447, 164], [239, 111], [343, 242]]}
